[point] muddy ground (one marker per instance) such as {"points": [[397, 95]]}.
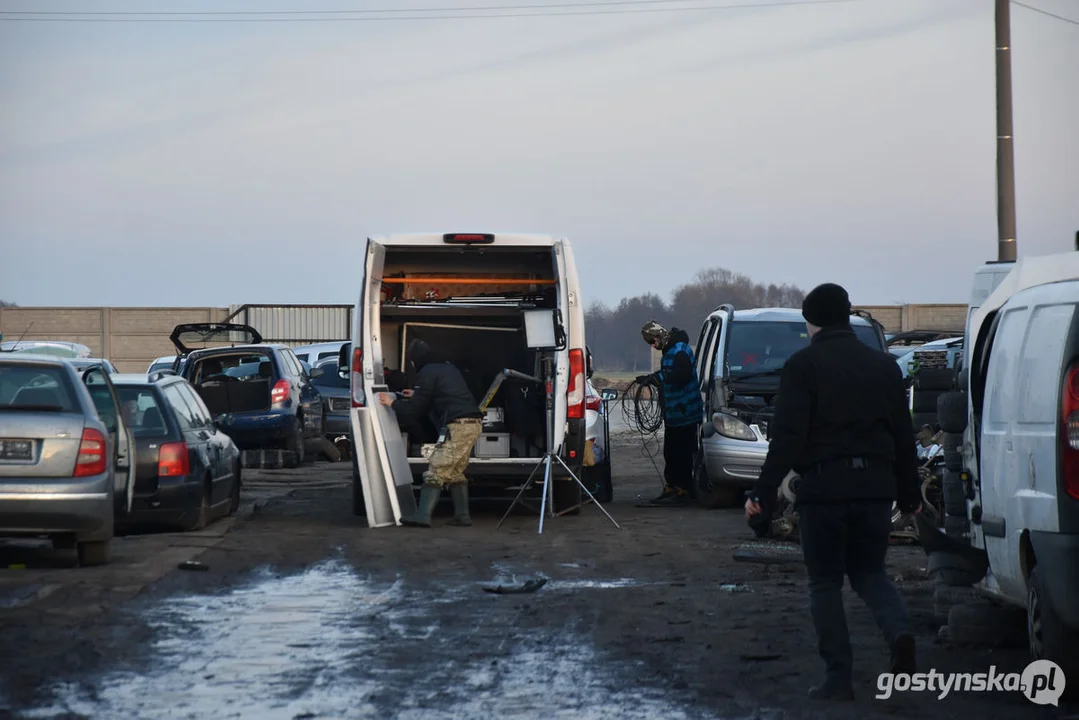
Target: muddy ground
{"points": [[303, 613]]}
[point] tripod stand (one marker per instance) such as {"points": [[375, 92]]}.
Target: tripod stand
{"points": [[551, 457]]}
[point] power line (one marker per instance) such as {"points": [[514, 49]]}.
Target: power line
{"points": [[1045, 12], [309, 15]]}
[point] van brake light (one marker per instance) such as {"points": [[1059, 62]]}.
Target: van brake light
{"points": [[1069, 432], [576, 392], [468, 238]]}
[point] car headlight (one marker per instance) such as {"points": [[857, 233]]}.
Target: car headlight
{"points": [[732, 427]]}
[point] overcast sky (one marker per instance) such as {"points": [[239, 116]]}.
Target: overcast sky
{"points": [[215, 163]]}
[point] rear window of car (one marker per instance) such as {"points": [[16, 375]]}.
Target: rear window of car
{"points": [[330, 378], [759, 346], [142, 411], [36, 388]]}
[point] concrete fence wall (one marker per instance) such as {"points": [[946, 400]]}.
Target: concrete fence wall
{"points": [[132, 337]]}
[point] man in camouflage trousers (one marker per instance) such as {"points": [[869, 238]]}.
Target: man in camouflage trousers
{"points": [[441, 393]]}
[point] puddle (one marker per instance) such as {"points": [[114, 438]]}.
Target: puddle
{"points": [[735, 588], [327, 643]]}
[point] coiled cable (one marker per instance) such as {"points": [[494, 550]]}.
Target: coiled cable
{"points": [[642, 406]]}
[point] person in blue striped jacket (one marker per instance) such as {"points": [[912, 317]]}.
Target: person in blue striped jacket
{"points": [[683, 408]]}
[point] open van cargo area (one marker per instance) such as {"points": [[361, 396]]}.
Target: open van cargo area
{"points": [[474, 320]]}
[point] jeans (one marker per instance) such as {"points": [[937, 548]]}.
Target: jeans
{"points": [[848, 538]]}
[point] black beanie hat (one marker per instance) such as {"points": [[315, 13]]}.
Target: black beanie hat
{"points": [[827, 305]]}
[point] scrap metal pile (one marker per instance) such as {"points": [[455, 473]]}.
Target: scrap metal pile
{"points": [[784, 523]]}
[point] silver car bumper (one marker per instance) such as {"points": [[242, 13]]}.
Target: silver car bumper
{"points": [[734, 462], [32, 506]]}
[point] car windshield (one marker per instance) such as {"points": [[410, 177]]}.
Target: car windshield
{"points": [[35, 388], [142, 413], [760, 349]]}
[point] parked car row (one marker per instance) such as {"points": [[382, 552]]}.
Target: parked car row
{"points": [[85, 452]]}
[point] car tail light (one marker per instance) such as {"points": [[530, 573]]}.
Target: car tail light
{"points": [[93, 454], [576, 392], [357, 378], [280, 391], [593, 403], [1069, 432], [173, 460]]}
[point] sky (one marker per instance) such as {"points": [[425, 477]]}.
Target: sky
{"points": [[217, 163]]}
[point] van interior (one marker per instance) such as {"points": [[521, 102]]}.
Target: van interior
{"points": [[467, 304], [237, 382]]}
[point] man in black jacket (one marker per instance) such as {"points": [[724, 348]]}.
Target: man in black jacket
{"points": [[440, 392], [843, 424]]}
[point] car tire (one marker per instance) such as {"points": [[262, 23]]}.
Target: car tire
{"points": [[711, 496], [985, 625], [202, 518], [294, 446], [1049, 638], [93, 553], [952, 412], [935, 380], [925, 401], [951, 569], [955, 494], [234, 497]]}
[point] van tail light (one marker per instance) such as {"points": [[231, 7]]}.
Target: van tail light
{"points": [[358, 399], [93, 454], [173, 460], [1069, 432], [575, 394], [280, 392]]}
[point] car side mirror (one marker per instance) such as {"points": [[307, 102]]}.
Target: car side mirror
{"points": [[315, 373]]}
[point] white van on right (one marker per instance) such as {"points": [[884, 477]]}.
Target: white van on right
{"points": [[1022, 449]]}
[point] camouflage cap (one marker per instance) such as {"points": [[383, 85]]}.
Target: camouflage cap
{"points": [[653, 332]]}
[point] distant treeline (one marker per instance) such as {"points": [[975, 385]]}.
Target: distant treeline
{"points": [[614, 334]]}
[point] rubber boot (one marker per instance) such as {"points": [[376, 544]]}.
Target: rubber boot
{"points": [[429, 496], [459, 493]]}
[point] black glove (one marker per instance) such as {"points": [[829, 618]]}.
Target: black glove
{"points": [[908, 499]]}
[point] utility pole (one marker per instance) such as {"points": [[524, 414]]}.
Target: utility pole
{"points": [[1006, 241]]}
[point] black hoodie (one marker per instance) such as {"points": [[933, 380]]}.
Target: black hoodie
{"points": [[440, 391]]}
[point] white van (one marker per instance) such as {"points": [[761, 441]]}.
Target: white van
{"points": [[465, 295], [1021, 448]]}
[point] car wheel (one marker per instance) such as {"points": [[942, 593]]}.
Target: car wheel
{"points": [[712, 496], [93, 553], [202, 519], [234, 498], [295, 444], [1049, 637]]}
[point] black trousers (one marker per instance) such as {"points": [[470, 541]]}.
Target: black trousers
{"points": [[679, 449], [848, 539]]}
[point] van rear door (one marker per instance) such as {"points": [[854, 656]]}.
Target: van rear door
{"points": [[561, 386]]}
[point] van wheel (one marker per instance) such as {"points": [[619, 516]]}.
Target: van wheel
{"points": [[1050, 638], [93, 553], [708, 495], [234, 498]]}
